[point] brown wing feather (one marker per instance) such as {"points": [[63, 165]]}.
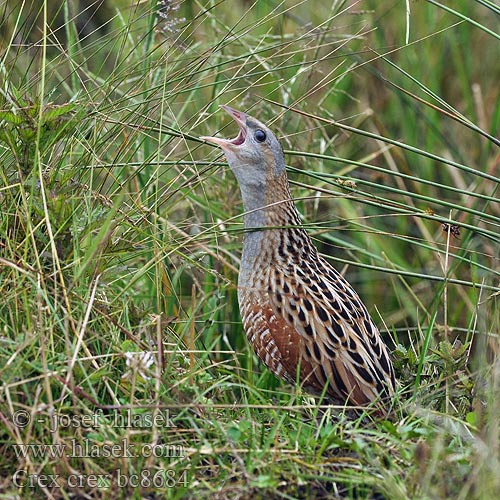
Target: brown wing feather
{"points": [[277, 343], [335, 328]]}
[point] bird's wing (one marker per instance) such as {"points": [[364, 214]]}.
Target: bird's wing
{"points": [[338, 333]]}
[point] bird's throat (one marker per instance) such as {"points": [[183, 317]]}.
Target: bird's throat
{"points": [[268, 210], [268, 204]]}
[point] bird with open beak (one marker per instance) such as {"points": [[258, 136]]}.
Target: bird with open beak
{"points": [[304, 320]]}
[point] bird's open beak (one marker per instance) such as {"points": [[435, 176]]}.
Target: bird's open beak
{"points": [[240, 118]]}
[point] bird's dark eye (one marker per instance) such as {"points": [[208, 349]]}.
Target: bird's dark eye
{"points": [[260, 135]]}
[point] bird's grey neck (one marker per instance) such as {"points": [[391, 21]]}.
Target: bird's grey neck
{"points": [[261, 212], [256, 221], [254, 205], [252, 246], [264, 223]]}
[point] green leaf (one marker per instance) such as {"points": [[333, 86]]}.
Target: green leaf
{"points": [[10, 117], [265, 481], [27, 134], [234, 433], [471, 418], [53, 112]]}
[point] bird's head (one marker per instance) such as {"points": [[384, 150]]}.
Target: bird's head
{"points": [[255, 155]]}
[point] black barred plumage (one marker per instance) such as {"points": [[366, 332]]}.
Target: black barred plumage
{"points": [[303, 318]]}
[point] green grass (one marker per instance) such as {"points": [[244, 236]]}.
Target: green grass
{"points": [[120, 235]]}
